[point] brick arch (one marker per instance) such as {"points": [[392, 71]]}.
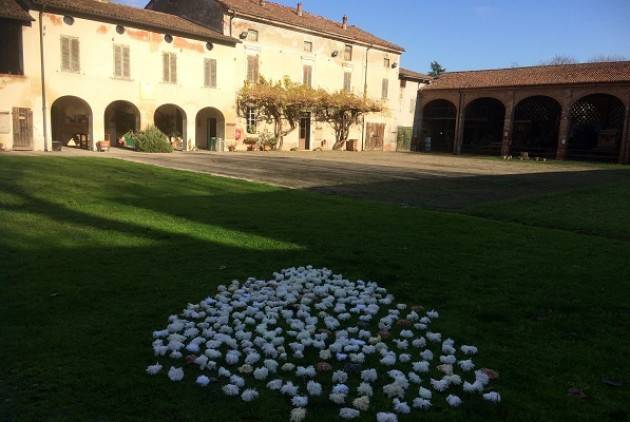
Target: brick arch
{"points": [[536, 126], [439, 117], [484, 119], [500, 97]]}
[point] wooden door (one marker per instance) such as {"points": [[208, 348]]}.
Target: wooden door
{"points": [[305, 131], [22, 128], [375, 135]]}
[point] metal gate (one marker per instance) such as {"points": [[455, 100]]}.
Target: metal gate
{"points": [[375, 135], [22, 128]]}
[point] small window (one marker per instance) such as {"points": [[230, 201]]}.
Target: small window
{"points": [[251, 120], [347, 81], [121, 62], [347, 53], [307, 75], [70, 61], [308, 46], [252, 69], [169, 68], [11, 50], [385, 90], [387, 63], [210, 73], [252, 35]]}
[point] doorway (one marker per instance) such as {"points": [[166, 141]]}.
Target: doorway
{"points": [[305, 131], [22, 129]]}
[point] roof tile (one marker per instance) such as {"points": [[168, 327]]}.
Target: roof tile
{"points": [[11, 9]]}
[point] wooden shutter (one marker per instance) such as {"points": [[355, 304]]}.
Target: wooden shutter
{"points": [[117, 61], [173, 68], [385, 92], [252, 68], [210, 73], [65, 53], [166, 64], [126, 65], [347, 81], [308, 75], [76, 63], [22, 128]]}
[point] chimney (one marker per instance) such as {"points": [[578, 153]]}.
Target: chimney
{"points": [[299, 10], [344, 22]]}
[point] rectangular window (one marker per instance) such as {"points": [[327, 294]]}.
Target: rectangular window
{"points": [[387, 63], [347, 81], [385, 90], [251, 120], [308, 46], [11, 62], [347, 53], [210, 73], [70, 61], [308, 75], [169, 67], [121, 62], [252, 35], [252, 69]]}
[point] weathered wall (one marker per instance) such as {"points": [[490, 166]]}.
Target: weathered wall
{"points": [[96, 84]]}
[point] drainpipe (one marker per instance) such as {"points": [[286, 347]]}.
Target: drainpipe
{"points": [[43, 76], [365, 86]]}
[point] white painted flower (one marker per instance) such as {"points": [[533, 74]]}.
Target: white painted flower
{"points": [[154, 369], [176, 374], [453, 400], [348, 413], [492, 396], [203, 380]]}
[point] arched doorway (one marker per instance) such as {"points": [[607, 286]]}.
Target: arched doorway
{"points": [[171, 120], [483, 126], [438, 123], [120, 117], [596, 127], [71, 122], [536, 126], [210, 123]]}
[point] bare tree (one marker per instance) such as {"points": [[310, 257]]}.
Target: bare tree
{"points": [[600, 58], [560, 59]]}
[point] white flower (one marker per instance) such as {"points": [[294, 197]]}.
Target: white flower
{"points": [[339, 377], [275, 385], [481, 377], [203, 380], [369, 375], [154, 369], [386, 417], [466, 365], [453, 400], [340, 389], [433, 314], [433, 337], [289, 389], [238, 381], [365, 389], [249, 395], [176, 374], [421, 403], [288, 367], [394, 390], [299, 401], [404, 357], [401, 407], [337, 398], [348, 413], [314, 388], [492, 396], [439, 385], [362, 403], [421, 367], [230, 390], [261, 373], [325, 354], [468, 350], [413, 377], [271, 365], [298, 414], [425, 393]]}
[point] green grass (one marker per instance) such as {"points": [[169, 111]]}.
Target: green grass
{"points": [[96, 253]]}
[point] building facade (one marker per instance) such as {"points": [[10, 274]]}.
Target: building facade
{"points": [[79, 71]]}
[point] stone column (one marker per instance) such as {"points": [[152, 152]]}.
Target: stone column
{"points": [[459, 126], [506, 144], [565, 122], [624, 150]]}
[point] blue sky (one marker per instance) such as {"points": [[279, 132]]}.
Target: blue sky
{"points": [[479, 34]]}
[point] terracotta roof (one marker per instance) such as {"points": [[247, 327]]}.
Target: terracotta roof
{"points": [[11, 9], [133, 16], [535, 75], [410, 74], [288, 15]]}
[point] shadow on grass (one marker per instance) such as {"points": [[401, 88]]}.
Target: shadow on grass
{"points": [[98, 253]]}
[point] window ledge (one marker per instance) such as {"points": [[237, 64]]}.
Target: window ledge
{"points": [[12, 75]]}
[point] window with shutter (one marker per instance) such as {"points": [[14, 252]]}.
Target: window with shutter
{"points": [[347, 53], [65, 53], [210, 72], [173, 68], [385, 90], [126, 65], [169, 67], [252, 69], [74, 50], [308, 75], [117, 61], [347, 81], [70, 54]]}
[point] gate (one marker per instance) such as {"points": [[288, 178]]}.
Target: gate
{"points": [[22, 128], [375, 134]]}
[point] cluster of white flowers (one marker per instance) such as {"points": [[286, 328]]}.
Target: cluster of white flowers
{"points": [[309, 328]]}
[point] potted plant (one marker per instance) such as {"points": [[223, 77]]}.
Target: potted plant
{"points": [[250, 142]]}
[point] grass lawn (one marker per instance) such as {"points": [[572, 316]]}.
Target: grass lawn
{"points": [[96, 253]]}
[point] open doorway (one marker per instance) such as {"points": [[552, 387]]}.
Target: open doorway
{"points": [[210, 126], [121, 117], [71, 120], [171, 120], [305, 131]]}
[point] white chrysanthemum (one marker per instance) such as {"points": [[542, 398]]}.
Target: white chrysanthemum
{"points": [[298, 414], [176, 374], [362, 403], [365, 389], [386, 417], [425, 393], [369, 375], [468, 350], [492, 396], [231, 390], [154, 369], [289, 389], [348, 413], [299, 401], [466, 365], [261, 373], [439, 385], [453, 400], [420, 403], [401, 407], [249, 395], [337, 398], [275, 385], [339, 377], [203, 380]]}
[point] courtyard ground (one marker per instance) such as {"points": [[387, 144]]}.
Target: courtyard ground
{"points": [[531, 267]]}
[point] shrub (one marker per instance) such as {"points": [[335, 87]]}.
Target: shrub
{"points": [[152, 140]]}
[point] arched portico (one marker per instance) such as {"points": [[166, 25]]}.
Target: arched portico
{"points": [[536, 126], [483, 126], [438, 122], [120, 117], [71, 122], [210, 123], [171, 120]]}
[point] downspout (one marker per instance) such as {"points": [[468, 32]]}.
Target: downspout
{"points": [[43, 76], [365, 87]]}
